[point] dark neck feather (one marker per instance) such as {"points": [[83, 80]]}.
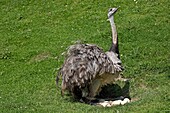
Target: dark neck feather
{"points": [[115, 48]]}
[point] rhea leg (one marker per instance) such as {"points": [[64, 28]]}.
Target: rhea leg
{"points": [[89, 96], [94, 88], [121, 78]]}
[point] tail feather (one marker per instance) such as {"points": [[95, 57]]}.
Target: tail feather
{"points": [[58, 76]]}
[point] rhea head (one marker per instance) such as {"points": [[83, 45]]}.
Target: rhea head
{"points": [[111, 12]]}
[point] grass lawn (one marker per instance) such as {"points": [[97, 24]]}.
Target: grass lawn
{"points": [[34, 34]]}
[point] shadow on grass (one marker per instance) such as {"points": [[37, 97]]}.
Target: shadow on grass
{"points": [[114, 91], [109, 93]]}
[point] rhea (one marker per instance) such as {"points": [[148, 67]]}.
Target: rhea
{"points": [[87, 68]]}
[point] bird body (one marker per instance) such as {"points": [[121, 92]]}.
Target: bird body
{"points": [[87, 65]]}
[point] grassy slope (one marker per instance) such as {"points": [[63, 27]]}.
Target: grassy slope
{"points": [[34, 34]]}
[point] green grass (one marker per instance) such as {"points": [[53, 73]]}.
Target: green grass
{"points": [[34, 34]]}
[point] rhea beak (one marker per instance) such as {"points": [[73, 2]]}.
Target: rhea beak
{"points": [[115, 10]]}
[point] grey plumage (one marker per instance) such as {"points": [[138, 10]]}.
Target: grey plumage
{"points": [[87, 68]]}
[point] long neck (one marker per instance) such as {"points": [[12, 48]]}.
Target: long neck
{"points": [[114, 46]]}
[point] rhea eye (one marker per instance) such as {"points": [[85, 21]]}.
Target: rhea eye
{"points": [[110, 9]]}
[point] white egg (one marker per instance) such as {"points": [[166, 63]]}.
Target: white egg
{"points": [[108, 105], [116, 102], [126, 100], [104, 104]]}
